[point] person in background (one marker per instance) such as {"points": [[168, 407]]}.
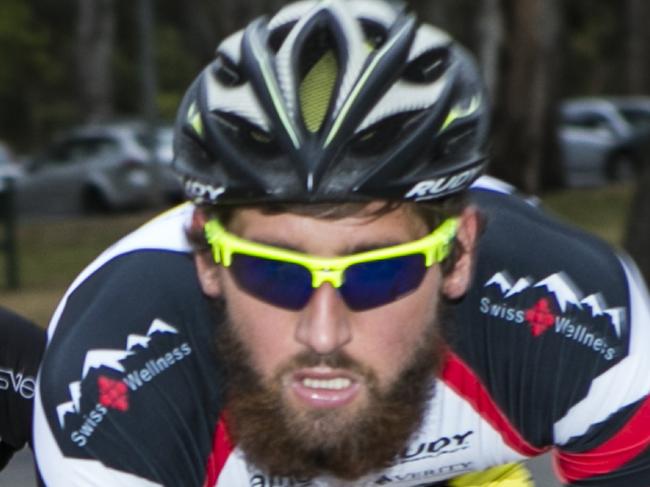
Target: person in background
{"points": [[21, 348]]}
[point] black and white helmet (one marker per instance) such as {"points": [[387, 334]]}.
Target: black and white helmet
{"points": [[333, 100]]}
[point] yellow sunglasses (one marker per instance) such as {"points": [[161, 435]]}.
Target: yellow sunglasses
{"points": [[365, 280]]}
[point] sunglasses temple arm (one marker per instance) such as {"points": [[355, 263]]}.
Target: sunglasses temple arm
{"points": [[211, 235]]}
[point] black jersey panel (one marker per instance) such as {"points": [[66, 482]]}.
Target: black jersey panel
{"points": [[134, 382], [21, 349], [546, 314]]}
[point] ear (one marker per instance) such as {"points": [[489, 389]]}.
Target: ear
{"points": [[208, 272], [456, 283]]}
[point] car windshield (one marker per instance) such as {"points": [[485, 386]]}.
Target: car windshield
{"points": [[163, 143], [4, 155], [165, 137], [638, 118]]}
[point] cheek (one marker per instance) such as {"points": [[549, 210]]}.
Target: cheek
{"points": [[388, 336], [266, 331]]}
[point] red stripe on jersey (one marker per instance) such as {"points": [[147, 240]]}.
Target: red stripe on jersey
{"points": [[221, 449], [624, 446], [457, 375]]}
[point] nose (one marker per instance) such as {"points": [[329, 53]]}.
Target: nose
{"points": [[324, 324]]}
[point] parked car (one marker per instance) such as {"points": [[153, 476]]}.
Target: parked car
{"points": [[172, 187], [92, 169], [8, 163], [9, 167], [603, 140]]}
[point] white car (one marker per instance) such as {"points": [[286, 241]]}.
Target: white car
{"points": [[9, 168], [603, 140], [171, 183], [92, 169]]}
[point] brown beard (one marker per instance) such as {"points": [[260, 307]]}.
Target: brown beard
{"points": [[282, 441]]}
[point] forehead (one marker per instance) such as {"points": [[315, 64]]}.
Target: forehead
{"points": [[331, 231]]}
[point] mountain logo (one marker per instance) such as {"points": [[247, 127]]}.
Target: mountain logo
{"points": [[114, 391], [555, 303]]}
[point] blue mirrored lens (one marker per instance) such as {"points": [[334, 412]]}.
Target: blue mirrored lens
{"points": [[379, 282], [279, 283]]}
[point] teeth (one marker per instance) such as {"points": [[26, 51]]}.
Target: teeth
{"points": [[334, 384]]}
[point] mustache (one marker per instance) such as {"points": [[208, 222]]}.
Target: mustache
{"points": [[334, 360], [231, 346]]}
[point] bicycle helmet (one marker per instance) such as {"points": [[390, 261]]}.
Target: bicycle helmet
{"points": [[333, 100]]}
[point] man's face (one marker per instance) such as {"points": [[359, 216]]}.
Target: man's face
{"points": [[325, 369]]}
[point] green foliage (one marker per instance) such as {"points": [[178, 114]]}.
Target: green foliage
{"points": [[38, 82], [596, 37], [176, 63], [17, 37], [26, 67], [176, 68]]}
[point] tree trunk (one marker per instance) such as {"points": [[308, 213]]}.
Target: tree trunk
{"points": [[638, 46], [524, 133], [204, 30], [491, 34], [210, 22], [637, 238], [637, 235], [95, 42], [436, 13]]}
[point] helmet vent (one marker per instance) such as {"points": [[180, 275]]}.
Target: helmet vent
{"points": [[318, 69], [428, 66], [374, 33], [226, 72], [249, 138], [455, 142], [278, 36], [381, 136]]}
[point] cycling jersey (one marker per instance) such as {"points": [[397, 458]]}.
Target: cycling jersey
{"points": [[21, 348], [548, 351]]}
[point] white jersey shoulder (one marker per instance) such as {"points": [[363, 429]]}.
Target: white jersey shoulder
{"points": [[164, 232], [493, 184]]}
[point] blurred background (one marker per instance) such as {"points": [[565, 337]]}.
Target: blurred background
{"points": [[89, 88]]}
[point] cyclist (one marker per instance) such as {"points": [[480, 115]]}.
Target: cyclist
{"points": [[21, 348], [336, 306]]}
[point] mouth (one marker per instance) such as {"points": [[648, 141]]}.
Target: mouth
{"points": [[323, 388]]}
